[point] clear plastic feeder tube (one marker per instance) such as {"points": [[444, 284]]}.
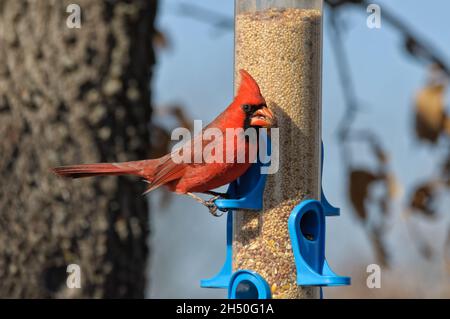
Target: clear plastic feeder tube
{"points": [[279, 43]]}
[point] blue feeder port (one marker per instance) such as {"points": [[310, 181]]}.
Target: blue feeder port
{"points": [[247, 284], [307, 232]]}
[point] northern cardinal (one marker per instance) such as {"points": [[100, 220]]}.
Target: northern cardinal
{"points": [[248, 109]]}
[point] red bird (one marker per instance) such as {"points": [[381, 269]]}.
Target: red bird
{"points": [[248, 109]]}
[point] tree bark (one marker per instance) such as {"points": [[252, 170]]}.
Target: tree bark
{"points": [[72, 96]]}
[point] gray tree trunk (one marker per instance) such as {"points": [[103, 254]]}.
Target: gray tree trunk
{"points": [[72, 96]]}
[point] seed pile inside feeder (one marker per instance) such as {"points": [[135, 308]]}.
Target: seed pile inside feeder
{"points": [[281, 48]]}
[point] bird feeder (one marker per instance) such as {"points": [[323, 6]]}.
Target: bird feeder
{"points": [[276, 222]]}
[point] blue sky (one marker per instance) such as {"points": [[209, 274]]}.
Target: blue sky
{"points": [[198, 71]]}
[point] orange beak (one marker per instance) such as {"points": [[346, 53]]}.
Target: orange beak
{"points": [[262, 118]]}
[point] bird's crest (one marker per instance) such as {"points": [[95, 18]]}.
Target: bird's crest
{"points": [[248, 87]]}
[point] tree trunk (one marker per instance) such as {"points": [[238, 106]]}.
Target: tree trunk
{"points": [[72, 96]]}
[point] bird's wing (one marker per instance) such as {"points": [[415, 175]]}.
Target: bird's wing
{"points": [[168, 170]]}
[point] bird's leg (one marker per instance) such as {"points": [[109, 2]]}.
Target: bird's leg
{"points": [[221, 195], [198, 199], [208, 203]]}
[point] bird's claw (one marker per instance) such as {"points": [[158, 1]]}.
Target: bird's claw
{"points": [[210, 204], [213, 207]]}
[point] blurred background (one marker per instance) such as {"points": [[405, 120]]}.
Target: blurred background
{"points": [[114, 89]]}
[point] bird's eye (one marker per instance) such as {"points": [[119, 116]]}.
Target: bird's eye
{"points": [[247, 108]]}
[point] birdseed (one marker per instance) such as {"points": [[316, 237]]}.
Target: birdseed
{"points": [[281, 49]]}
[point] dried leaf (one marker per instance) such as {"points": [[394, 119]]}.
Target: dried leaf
{"points": [[360, 181], [447, 125], [393, 190], [412, 47], [430, 113], [160, 137], [179, 113], [394, 187], [160, 40], [160, 141], [422, 200]]}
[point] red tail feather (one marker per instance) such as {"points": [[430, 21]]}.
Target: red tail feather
{"points": [[87, 170]]}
